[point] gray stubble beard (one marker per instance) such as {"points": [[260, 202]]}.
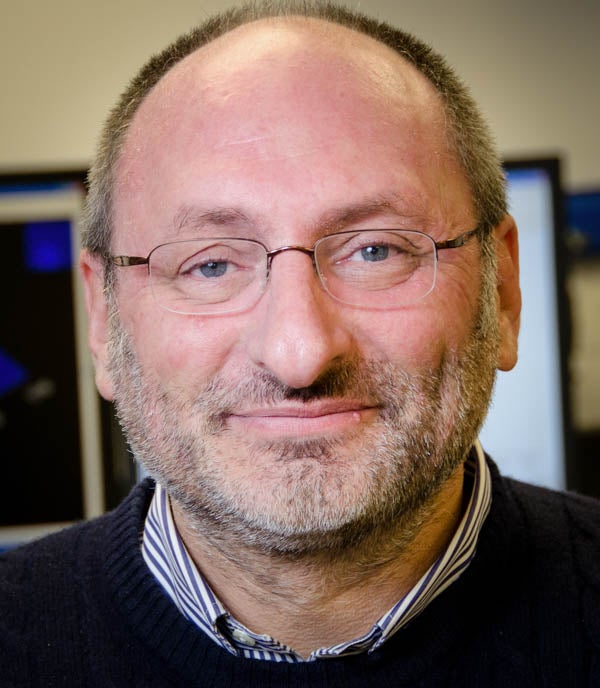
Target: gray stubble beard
{"points": [[427, 424]]}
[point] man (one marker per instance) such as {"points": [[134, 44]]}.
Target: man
{"points": [[301, 278]]}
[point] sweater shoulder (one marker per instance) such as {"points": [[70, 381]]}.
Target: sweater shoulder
{"points": [[576, 516], [54, 587], [552, 538], [39, 562], [564, 523]]}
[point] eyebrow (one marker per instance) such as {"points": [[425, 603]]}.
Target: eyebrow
{"points": [[195, 218], [190, 217], [339, 218]]}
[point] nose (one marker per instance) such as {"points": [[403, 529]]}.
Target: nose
{"points": [[298, 330]]}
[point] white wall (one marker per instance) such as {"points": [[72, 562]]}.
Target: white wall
{"points": [[532, 64]]}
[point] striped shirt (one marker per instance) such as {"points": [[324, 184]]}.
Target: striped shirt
{"points": [[171, 564]]}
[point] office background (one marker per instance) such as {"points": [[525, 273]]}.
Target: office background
{"points": [[533, 65]]}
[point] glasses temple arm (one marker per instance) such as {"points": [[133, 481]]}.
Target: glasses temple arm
{"points": [[459, 241], [126, 261]]}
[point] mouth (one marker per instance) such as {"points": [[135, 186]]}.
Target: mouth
{"points": [[303, 420]]}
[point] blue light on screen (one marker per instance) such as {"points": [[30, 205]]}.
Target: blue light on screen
{"points": [[47, 246], [12, 373], [583, 215]]}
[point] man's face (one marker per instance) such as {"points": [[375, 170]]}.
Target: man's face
{"points": [[302, 422]]}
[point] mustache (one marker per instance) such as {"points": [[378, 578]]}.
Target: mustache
{"points": [[377, 383], [342, 379]]}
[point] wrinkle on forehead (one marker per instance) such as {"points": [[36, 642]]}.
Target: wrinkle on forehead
{"points": [[270, 147]]}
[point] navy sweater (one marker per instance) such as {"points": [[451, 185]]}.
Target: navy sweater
{"points": [[80, 608]]}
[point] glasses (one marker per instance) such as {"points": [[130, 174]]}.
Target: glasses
{"points": [[368, 268]]}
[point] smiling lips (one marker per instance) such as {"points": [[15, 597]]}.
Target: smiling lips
{"points": [[315, 418]]}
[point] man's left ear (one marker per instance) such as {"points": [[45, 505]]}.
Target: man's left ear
{"points": [[509, 292]]}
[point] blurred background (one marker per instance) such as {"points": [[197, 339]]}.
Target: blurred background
{"points": [[533, 66]]}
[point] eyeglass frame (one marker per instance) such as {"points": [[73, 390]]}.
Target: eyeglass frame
{"points": [[457, 242]]}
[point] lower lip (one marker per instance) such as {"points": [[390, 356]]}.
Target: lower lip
{"points": [[301, 426]]}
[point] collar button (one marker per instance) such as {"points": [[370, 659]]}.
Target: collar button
{"points": [[243, 637]]}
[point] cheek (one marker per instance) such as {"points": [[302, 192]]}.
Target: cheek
{"points": [[420, 337], [183, 351]]}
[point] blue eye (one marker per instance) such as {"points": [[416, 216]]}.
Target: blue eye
{"points": [[214, 268], [374, 253]]}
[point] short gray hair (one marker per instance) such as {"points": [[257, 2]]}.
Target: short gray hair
{"points": [[469, 137]]}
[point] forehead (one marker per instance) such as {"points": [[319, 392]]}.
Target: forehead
{"points": [[267, 97], [322, 64], [283, 53]]}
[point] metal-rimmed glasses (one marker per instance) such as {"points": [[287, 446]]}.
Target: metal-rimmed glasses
{"points": [[366, 268]]}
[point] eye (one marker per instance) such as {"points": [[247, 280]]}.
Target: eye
{"points": [[212, 268], [217, 260], [372, 253], [386, 256]]}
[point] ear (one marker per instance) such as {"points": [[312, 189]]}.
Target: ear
{"points": [[509, 292], [92, 273]]}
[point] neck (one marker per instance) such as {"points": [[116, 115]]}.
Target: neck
{"points": [[323, 599]]}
